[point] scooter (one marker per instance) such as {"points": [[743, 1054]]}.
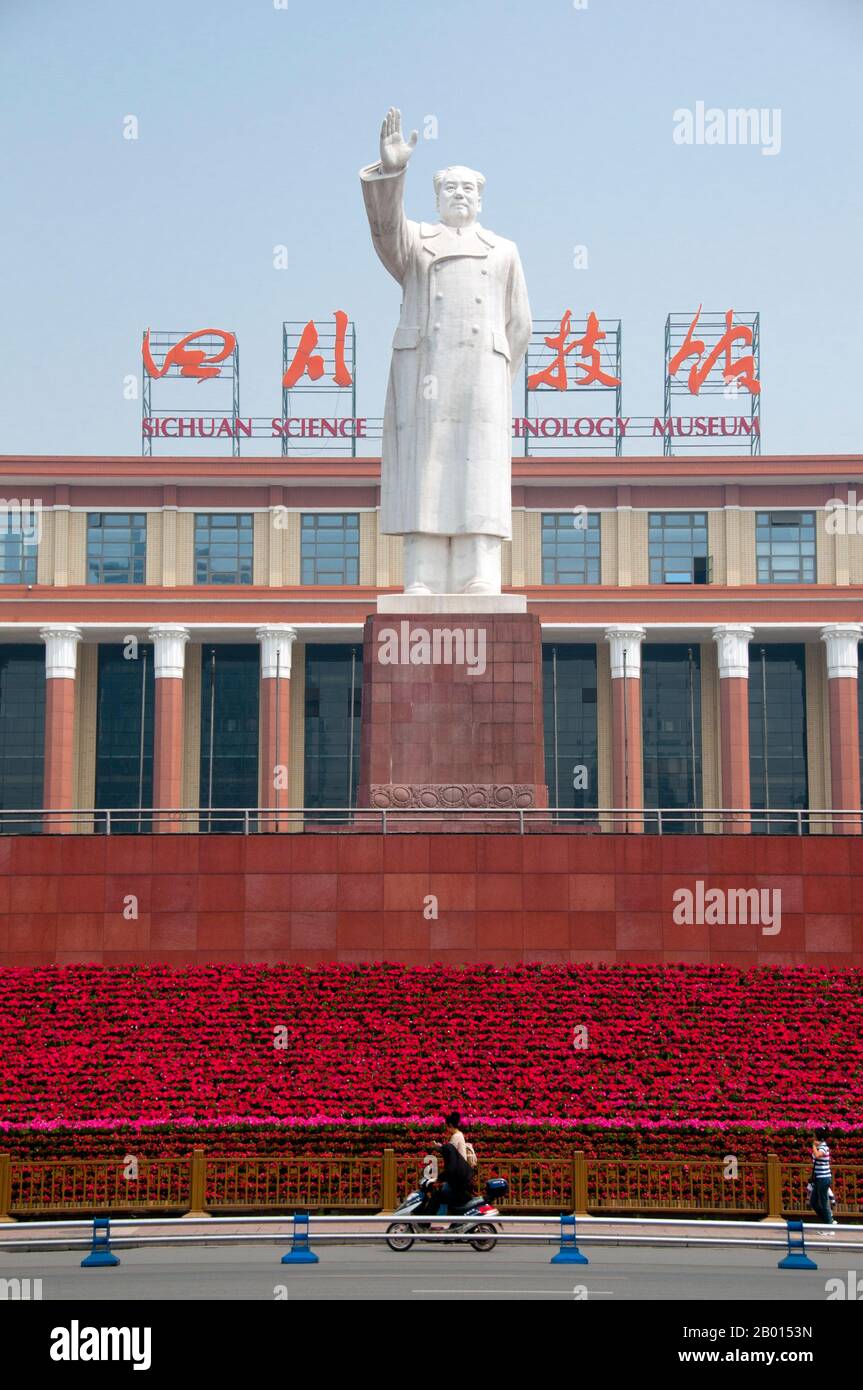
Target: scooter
{"points": [[402, 1233]]}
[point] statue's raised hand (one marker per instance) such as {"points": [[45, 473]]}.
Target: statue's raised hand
{"points": [[395, 151]]}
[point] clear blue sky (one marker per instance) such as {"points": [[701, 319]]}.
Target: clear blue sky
{"points": [[254, 122]]}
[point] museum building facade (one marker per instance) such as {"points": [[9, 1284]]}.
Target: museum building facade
{"points": [[173, 629]]}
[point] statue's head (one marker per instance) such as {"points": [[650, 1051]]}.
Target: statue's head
{"points": [[459, 195]]}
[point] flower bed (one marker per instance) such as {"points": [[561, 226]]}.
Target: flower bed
{"points": [[684, 1060]]}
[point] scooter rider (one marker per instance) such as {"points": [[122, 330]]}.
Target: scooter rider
{"points": [[454, 1181]]}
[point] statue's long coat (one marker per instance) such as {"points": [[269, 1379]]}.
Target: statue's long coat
{"points": [[464, 329]]}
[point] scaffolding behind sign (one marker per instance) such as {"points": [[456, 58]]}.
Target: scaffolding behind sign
{"points": [[319, 387], [715, 354], [573, 400], [174, 367]]}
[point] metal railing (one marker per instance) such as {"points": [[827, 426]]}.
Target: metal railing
{"points": [[311, 1228], [200, 1183], [521, 820]]}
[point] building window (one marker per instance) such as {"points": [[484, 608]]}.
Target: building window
{"points": [[334, 688], [229, 735], [116, 547], [330, 548], [17, 559], [671, 735], [223, 548], [569, 702], [124, 738], [22, 734], [570, 548], [677, 548], [785, 547], [778, 772]]}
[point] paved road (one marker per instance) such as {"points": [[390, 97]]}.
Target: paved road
{"points": [[504, 1275]]}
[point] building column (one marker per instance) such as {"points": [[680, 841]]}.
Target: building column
{"points": [[276, 642], [61, 661], [626, 741], [841, 640], [169, 652], [732, 642]]}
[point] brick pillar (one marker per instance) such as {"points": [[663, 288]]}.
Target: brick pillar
{"points": [[61, 661], [732, 642], [628, 779], [169, 653], [276, 642], [841, 640]]}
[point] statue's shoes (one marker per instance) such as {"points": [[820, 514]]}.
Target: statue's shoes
{"points": [[417, 591], [479, 586]]}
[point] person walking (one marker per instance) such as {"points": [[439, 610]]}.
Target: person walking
{"points": [[822, 1177]]}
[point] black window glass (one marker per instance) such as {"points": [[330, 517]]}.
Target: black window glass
{"points": [[116, 547], [18, 558], [569, 707], [571, 548], [330, 548], [230, 677], [125, 703], [677, 548], [224, 546], [671, 734], [334, 678], [785, 547], [22, 733], [777, 737]]}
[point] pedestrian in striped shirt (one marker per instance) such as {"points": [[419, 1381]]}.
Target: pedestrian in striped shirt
{"points": [[822, 1177]]}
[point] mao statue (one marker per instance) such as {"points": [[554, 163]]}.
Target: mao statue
{"points": [[464, 329]]}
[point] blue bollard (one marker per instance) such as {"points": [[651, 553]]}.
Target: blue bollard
{"points": [[796, 1257], [300, 1252], [100, 1252], [569, 1253]]}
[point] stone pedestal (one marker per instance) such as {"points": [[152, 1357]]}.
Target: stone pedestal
{"points": [[452, 712]]}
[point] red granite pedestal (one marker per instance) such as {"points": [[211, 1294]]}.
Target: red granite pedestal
{"points": [[452, 713]]}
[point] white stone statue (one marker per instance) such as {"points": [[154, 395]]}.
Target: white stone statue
{"points": [[464, 328]]}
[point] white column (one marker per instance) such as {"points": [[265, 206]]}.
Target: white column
{"points": [[169, 653], [276, 641], [842, 641], [61, 650], [625, 643], [732, 645], [61, 661], [169, 650], [628, 779]]}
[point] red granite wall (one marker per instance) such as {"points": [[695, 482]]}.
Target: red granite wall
{"points": [[355, 897]]}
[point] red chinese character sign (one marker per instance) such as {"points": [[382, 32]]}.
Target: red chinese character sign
{"points": [[715, 354], [306, 361], [319, 361], [173, 364], [573, 387], [214, 346], [588, 358]]}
